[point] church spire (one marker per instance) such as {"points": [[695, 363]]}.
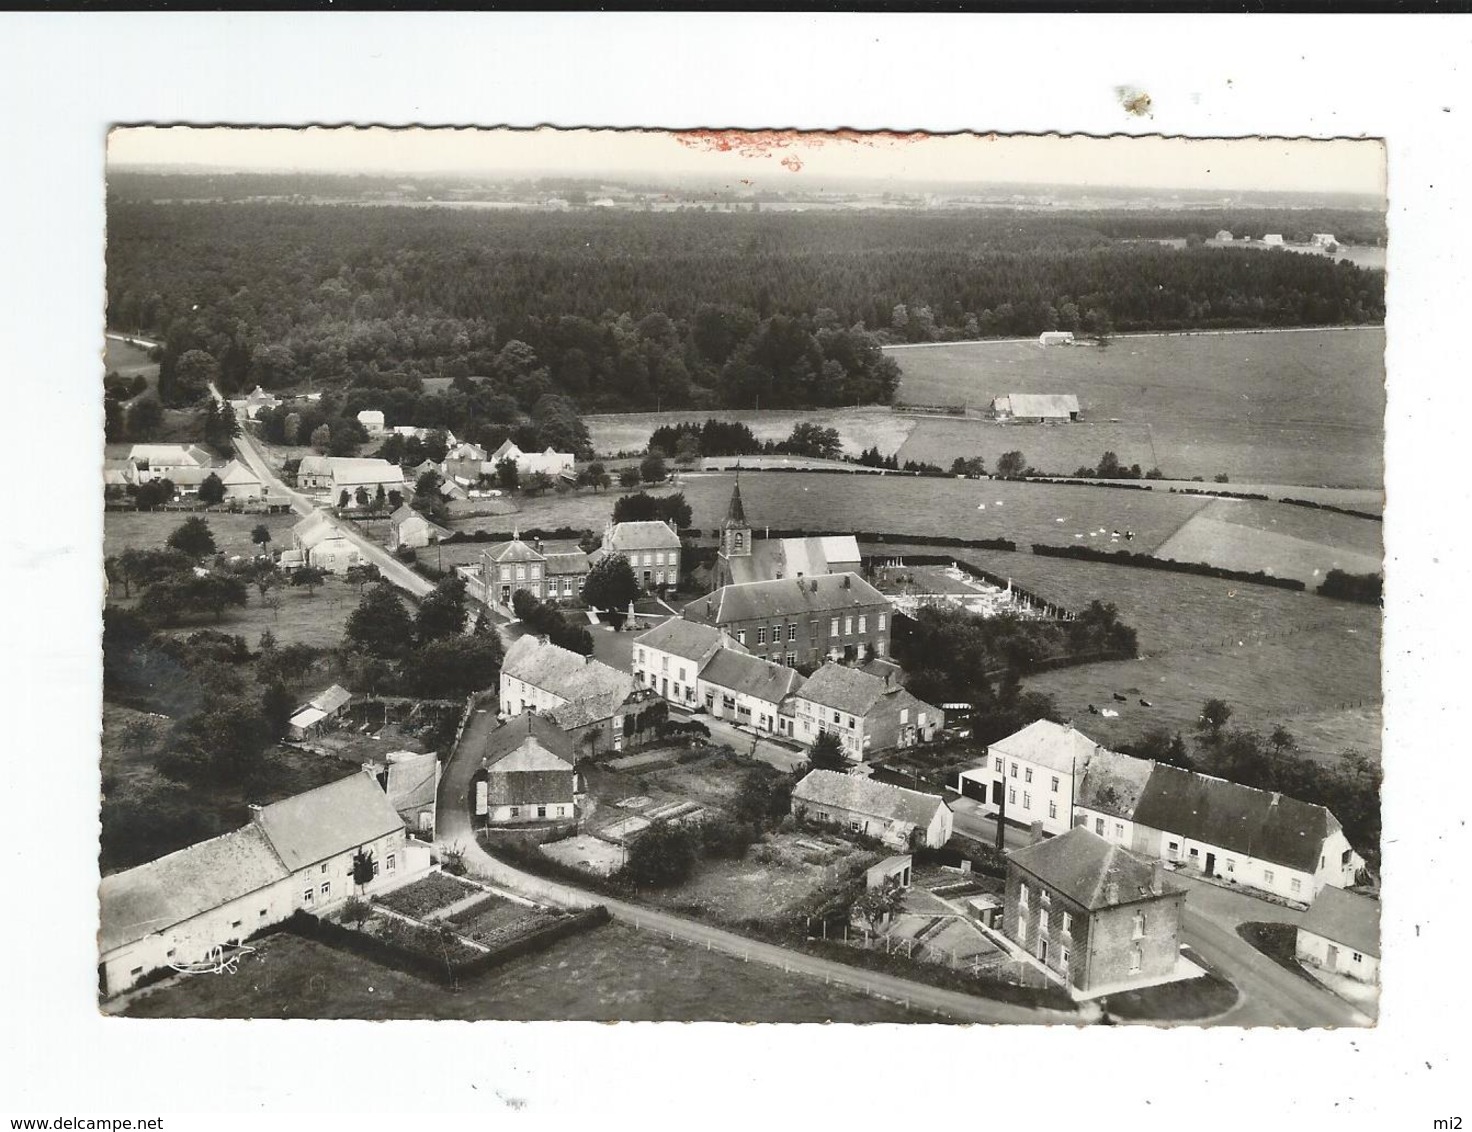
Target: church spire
{"points": [[736, 513]]}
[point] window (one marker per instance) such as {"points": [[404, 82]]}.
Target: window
{"points": [[1063, 957], [792, 631], [998, 765], [904, 715], [136, 971], [1175, 848], [1014, 770], [307, 896], [664, 664], [1022, 895], [761, 635], [791, 659], [520, 572], [1358, 958], [1267, 875], [516, 811], [1026, 800], [659, 558], [261, 915], [833, 628], [682, 672], [1139, 926], [1296, 885], [740, 540], [1067, 924], [326, 889], [648, 559], [1135, 960], [1045, 898], [536, 570], [1099, 826], [850, 722], [741, 636], [541, 811], [836, 718], [1022, 932], [1027, 775], [324, 868], [1052, 809], [1055, 784], [641, 655], [848, 626], [1118, 829], [1011, 795], [391, 862], [235, 923], [813, 629], [863, 624], [881, 623], [171, 951]]}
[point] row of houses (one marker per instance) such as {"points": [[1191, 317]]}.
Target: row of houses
{"points": [[585, 697], [186, 466], [1057, 776], [306, 853], [697, 667]]}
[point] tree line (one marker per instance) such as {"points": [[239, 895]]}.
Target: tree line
{"points": [[627, 310]]}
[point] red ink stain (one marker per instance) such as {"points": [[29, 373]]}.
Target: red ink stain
{"points": [[765, 143]]}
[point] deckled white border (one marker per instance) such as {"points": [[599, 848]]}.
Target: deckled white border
{"points": [[65, 77]]}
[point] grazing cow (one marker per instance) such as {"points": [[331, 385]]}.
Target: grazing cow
{"points": [[1145, 703], [1093, 710], [1121, 699]]}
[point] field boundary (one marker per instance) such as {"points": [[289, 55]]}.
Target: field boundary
{"points": [[1170, 565]]}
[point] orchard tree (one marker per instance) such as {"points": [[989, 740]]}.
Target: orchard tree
{"points": [[194, 537], [652, 468], [212, 490], [261, 537], [628, 478], [361, 496], [596, 476], [309, 576], [1011, 464], [1214, 716], [380, 626], [508, 476], [321, 439]]}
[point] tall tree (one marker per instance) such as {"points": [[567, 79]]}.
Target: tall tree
{"points": [[194, 537], [380, 626], [611, 584]]}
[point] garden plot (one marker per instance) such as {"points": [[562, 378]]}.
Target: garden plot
{"points": [[591, 854], [424, 897]]}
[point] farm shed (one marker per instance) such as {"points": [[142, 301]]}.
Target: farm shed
{"points": [[1036, 407]]}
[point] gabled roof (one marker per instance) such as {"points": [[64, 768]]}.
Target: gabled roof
{"points": [[514, 551], [366, 470], [466, 451], [786, 597], [1053, 745], [736, 510], [1346, 918], [403, 514], [651, 535], [689, 639], [329, 820], [563, 672], [846, 689], [1113, 783], [740, 672], [1038, 404], [566, 562], [865, 796], [1255, 823], [507, 449], [156, 896], [315, 529], [330, 699], [586, 710], [237, 473], [1082, 866], [166, 454], [530, 742], [410, 783]]}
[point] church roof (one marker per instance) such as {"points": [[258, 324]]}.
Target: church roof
{"points": [[735, 513]]}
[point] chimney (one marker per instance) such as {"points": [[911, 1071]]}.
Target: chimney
{"points": [[847, 581], [1111, 892], [1157, 877], [255, 812], [1036, 833], [588, 659], [1276, 797]]}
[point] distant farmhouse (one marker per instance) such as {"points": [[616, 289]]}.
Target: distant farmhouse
{"points": [[1273, 239], [306, 853], [253, 403], [1224, 237], [336, 474], [549, 462], [1323, 240], [372, 420], [407, 527], [743, 558], [1037, 407], [317, 541], [1055, 338]]}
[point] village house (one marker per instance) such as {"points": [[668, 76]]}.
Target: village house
{"points": [[407, 527], [372, 420], [585, 697], [165, 461], [526, 772], [1038, 408], [1098, 916], [1341, 935], [1273, 239], [1055, 338], [335, 474], [749, 691], [1033, 773], [1224, 237], [240, 482], [253, 403], [652, 549], [801, 620], [323, 711], [317, 541], [306, 853], [742, 558], [902, 819], [1258, 839], [1323, 240], [411, 781], [549, 462], [511, 566], [669, 657], [868, 713], [565, 572]]}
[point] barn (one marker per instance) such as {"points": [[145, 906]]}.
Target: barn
{"points": [[1039, 407]]}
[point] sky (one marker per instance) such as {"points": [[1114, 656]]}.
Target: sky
{"points": [[774, 159]]}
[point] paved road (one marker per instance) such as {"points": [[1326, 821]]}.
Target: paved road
{"points": [[967, 818], [453, 828]]}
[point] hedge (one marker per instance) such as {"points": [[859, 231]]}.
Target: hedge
{"points": [[560, 533], [1150, 562], [1338, 510], [1364, 588]]}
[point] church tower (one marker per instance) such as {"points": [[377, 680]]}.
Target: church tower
{"points": [[735, 537]]}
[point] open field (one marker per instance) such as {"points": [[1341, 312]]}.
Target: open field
{"points": [[303, 618], [1284, 407], [1368, 499], [147, 530], [859, 428], [126, 359], [614, 973], [1289, 542], [1274, 655]]}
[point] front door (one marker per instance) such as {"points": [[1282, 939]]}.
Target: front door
{"points": [[1211, 864], [1043, 951], [664, 687], [997, 794], [505, 595]]}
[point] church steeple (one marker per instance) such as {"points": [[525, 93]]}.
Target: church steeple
{"points": [[735, 531]]}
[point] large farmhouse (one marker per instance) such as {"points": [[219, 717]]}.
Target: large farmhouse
{"points": [[867, 713], [1036, 407], [801, 620]]}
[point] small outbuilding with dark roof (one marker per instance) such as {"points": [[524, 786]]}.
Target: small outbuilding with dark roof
{"points": [[1341, 934], [895, 815], [527, 772]]}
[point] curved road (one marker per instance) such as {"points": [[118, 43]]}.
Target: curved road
{"points": [[453, 827]]}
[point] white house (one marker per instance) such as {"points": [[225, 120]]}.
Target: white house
{"points": [[1056, 338], [407, 527], [309, 852], [251, 405], [240, 482], [1036, 407], [372, 420], [336, 474], [551, 462], [868, 712], [1273, 239], [319, 542], [526, 772], [1033, 773], [1341, 934], [537, 675], [1323, 240], [749, 691], [894, 815], [162, 461], [669, 657]]}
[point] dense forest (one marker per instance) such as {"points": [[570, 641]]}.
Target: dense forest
{"points": [[632, 310]]}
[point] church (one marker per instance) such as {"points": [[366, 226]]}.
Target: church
{"points": [[743, 558]]}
